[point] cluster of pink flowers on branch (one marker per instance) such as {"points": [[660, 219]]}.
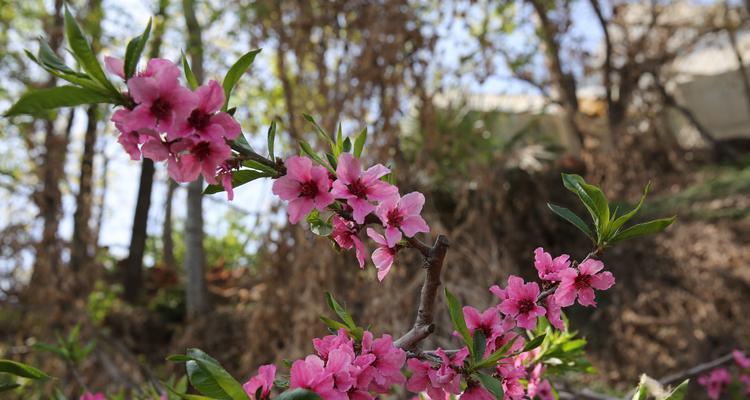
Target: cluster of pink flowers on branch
{"points": [[354, 197], [718, 380], [169, 122]]}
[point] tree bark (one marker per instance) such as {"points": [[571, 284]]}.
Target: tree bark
{"points": [[168, 259], [564, 83], [195, 258], [133, 264]]}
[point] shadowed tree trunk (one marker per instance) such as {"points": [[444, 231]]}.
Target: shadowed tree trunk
{"points": [[48, 197], [168, 259], [195, 257], [133, 265], [83, 243]]}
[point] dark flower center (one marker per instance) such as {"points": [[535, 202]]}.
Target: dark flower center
{"points": [[308, 189], [201, 150], [358, 189], [394, 217], [160, 108], [525, 306], [582, 281], [199, 120]]}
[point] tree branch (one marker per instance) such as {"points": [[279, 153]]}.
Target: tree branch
{"points": [[433, 264]]}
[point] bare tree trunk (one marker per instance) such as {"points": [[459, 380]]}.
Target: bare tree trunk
{"points": [[133, 265], [102, 200], [48, 197], [83, 243], [168, 258], [564, 83], [195, 258]]}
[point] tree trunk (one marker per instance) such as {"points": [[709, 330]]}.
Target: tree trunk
{"points": [[168, 259], [133, 264], [195, 258], [564, 83]]}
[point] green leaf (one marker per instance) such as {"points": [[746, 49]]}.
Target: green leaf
{"points": [[260, 167], [311, 153], [179, 358], [189, 75], [49, 99], [48, 58], [298, 394], [359, 142], [4, 387], [134, 50], [457, 317], [41, 346], [185, 396], [333, 324], [322, 133], [271, 139], [347, 146], [239, 178], [571, 217], [54, 66], [22, 370], [318, 226], [493, 385], [209, 378], [592, 197], [620, 221], [235, 73], [84, 53], [643, 229], [496, 356], [479, 345], [340, 311], [679, 392], [533, 343]]}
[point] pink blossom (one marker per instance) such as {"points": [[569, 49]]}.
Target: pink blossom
{"points": [[501, 293], [402, 215], [389, 359], [441, 381], [384, 255], [161, 100], [549, 268], [224, 174], [510, 377], [745, 380], [340, 340], [360, 188], [262, 381], [420, 380], [715, 382], [476, 392], [203, 156], [345, 234], [305, 187], [542, 391], [582, 283], [554, 311], [311, 374], [741, 359], [206, 119], [521, 303], [93, 396], [490, 323], [115, 66]]}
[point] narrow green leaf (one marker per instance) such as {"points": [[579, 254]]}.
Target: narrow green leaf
{"points": [[84, 53], [533, 343], [340, 311], [298, 394], [571, 217], [318, 226], [333, 324], [339, 142], [235, 73], [239, 178], [7, 386], [679, 392], [260, 167], [22, 370], [271, 140], [56, 97], [134, 50], [210, 375], [311, 153], [496, 356], [491, 384], [347, 147], [55, 67], [49, 59], [594, 200], [179, 358], [457, 317], [359, 142], [479, 345], [189, 75], [620, 221], [643, 229], [185, 396], [320, 131]]}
